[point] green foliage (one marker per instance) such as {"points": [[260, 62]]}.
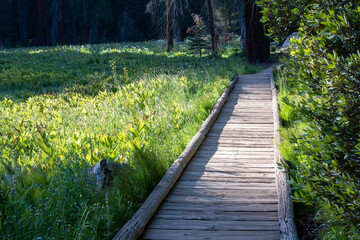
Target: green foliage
{"points": [[63, 109], [324, 111], [282, 16]]}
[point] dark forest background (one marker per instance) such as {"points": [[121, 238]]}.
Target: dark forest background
{"points": [[56, 22]]}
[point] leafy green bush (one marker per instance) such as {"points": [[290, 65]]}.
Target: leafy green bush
{"points": [[324, 70]]}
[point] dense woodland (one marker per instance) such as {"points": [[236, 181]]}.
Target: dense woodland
{"points": [[58, 22], [53, 22]]}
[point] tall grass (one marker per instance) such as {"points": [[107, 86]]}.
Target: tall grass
{"points": [[63, 109]]}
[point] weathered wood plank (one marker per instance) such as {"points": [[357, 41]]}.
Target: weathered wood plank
{"points": [[223, 193], [224, 138], [231, 169], [228, 174], [160, 234], [217, 225], [241, 144], [224, 185], [215, 215], [238, 149], [266, 97], [254, 127], [243, 158], [218, 200], [238, 141], [237, 179], [224, 154], [238, 133], [225, 208], [208, 163], [241, 120]]}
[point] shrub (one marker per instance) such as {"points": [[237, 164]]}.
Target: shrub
{"points": [[324, 70]]}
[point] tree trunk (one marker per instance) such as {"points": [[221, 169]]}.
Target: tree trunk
{"points": [[41, 32], [257, 45], [212, 26], [1, 44], [169, 24], [56, 21], [240, 8], [23, 21], [14, 27], [85, 26]]}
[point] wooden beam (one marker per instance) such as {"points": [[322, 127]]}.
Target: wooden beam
{"points": [[286, 214]]}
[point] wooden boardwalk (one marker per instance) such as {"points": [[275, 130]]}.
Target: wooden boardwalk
{"points": [[228, 189]]}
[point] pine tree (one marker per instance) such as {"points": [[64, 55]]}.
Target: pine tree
{"points": [[197, 42]]}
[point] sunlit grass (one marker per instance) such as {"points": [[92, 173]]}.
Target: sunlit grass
{"points": [[63, 109]]}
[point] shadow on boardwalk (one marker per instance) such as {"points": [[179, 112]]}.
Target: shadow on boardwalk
{"points": [[228, 190]]}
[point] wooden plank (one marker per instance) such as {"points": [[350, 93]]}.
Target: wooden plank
{"points": [[251, 91], [215, 215], [242, 120], [238, 149], [265, 96], [227, 154], [231, 169], [218, 200], [225, 208], [247, 109], [258, 85], [248, 164], [222, 138], [240, 133], [214, 225], [254, 127], [227, 179], [160, 234], [238, 144], [242, 129], [228, 174], [248, 116], [224, 185], [237, 140], [224, 193], [243, 158], [249, 103]]}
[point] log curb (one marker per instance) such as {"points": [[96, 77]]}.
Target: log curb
{"points": [[136, 225], [285, 207]]}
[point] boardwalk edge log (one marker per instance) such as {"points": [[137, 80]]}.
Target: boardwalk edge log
{"points": [[285, 207], [136, 225]]}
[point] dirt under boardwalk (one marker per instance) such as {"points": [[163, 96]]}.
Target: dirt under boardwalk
{"points": [[228, 189]]}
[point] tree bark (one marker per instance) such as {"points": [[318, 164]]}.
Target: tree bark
{"points": [[257, 45], [42, 30], [1, 44], [14, 27], [23, 21], [212, 26], [56, 21], [169, 24]]}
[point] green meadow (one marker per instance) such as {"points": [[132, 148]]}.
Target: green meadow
{"points": [[63, 109]]}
